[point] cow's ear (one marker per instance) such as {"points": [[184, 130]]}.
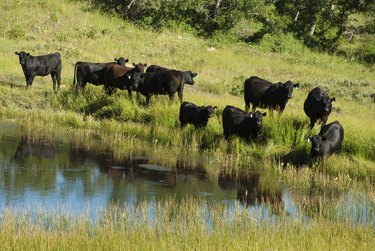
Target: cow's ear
{"points": [[116, 59], [215, 107], [264, 114], [145, 65], [28, 54], [133, 64], [194, 74], [126, 60], [17, 53], [333, 99], [296, 85]]}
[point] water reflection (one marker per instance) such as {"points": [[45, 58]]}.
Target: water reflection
{"points": [[255, 189], [74, 175]]}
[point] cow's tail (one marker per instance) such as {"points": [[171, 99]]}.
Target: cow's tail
{"points": [[75, 74]]}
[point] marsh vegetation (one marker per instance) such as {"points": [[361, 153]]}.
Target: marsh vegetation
{"points": [[119, 124]]}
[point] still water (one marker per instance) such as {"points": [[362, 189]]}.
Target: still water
{"points": [[55, 174]]}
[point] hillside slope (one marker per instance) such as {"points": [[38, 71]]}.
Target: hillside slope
{"points": [[80, 33]]}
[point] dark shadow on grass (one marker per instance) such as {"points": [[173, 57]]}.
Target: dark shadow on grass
{"points": [[298, 158]]}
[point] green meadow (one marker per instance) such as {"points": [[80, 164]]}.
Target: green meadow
{"points": [[82, 33]]}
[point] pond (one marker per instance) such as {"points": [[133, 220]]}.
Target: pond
{"points": [[54, 174]]}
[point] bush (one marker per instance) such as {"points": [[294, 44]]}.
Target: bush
{"points": [[282, 43]]}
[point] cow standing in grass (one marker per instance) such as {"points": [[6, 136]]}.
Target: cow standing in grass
{"points": [[328, 141], [240, 123], [121, 77], [41, 66], [196, 115], [164, 83], [88, 72], [318, 106], [264, 94]]}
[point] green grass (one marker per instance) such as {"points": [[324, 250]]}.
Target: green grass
{"points": [[80, 33], [178, 227]]}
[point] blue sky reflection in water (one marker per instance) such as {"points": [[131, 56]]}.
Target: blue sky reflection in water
{"points": [[62, 176]]}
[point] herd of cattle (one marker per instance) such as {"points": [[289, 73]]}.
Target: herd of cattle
{"points": [[159, 80]]}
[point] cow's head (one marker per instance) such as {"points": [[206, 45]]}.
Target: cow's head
{"points": [[325, 103], [139, 67], [121, 60], [22, 56], [189, 75], [257, 118], [137, 79], [317, 143], [209, 110], [287, 88]]}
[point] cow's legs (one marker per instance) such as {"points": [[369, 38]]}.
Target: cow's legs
{"points": [[109, 89], [53, 75], [180, 95], [254, 107], [148, 100], [58, 78], [171, 97], [247, 106], [312, 123], [29, 81], [130, 94], [226, 134]]}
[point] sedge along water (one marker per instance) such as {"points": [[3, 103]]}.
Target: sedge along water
{"points": [[66, 174]]}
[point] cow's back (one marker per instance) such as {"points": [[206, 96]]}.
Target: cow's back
{"points": [[187, 112], [90, 72], [332, 132], [156, 68], [233, 121], [314, 103], [161, 82], [44, 64], [254, 88], [317, 106], [334, 135]]}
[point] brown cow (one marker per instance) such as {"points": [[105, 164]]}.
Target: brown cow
{"points": [[121, 77]]}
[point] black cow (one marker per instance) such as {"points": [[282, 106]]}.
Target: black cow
{"points": [[264, 94], [41, 66], [157, 68], [196, 115], [164, 83], [318, 106], [328, 141], [87, 72], [121, 77], [240, 123]]}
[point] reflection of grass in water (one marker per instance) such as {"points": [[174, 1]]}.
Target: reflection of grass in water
{"points": [[191, 224]]}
